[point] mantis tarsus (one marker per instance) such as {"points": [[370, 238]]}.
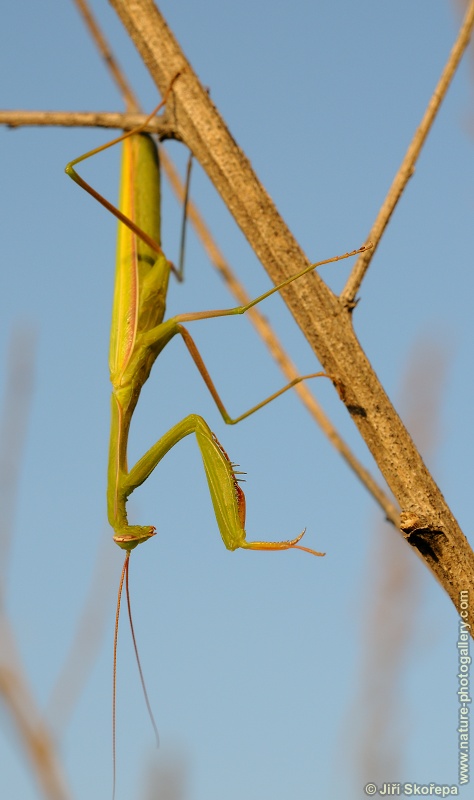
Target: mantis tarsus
{"points": [[138, 335]]}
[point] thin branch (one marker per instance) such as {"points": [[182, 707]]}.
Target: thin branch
{"points": [[407, 166], [426, 520], [111, 63], [161, 126]]}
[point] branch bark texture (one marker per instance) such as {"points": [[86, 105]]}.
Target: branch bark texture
{"points": [[426, 521]]}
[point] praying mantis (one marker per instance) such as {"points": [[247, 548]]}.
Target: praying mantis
{"points": [[139, 333]]}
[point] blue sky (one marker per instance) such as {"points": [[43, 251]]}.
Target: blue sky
{"points": [[253, 660]]}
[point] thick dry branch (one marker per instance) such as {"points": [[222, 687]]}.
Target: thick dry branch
{"points": [[407, 167], [427, 522]]}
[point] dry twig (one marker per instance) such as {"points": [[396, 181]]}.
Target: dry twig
{"points": [[407, 167]]}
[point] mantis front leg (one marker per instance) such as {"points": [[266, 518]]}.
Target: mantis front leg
{"points": [[227, 497]]}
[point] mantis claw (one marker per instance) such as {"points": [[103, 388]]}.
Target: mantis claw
{"points": [[288, 545]]}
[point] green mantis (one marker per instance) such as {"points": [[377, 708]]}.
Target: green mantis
{"points": [[139, 333]]}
